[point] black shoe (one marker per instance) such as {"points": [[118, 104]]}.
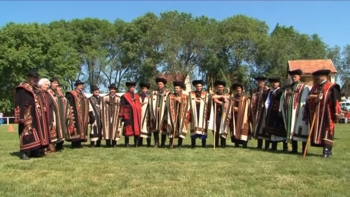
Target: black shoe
{"points": [[193, 142], [204, 143], [260, 144], [148, 142], [267, 145], [24, 156], [326, 152], [245, 144], [285, 147], [273, 146]]}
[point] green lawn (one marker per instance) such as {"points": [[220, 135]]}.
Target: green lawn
{"points": [[176, 173]]}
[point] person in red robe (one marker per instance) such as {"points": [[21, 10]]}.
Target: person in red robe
{"points": [[322, 111], [130, 113]]}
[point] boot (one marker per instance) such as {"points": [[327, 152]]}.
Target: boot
{"points": [[156, 139], [303, 147], [193, 142], [79, 144], [114, 143], [236, 144], [294, 147], [223, 142], [126, 141], [98, 143], [204, 143], [148, 142], [285, 147], [163, 140], [267, 144], [24, 156], [59, 146], [330, 151], [136, 141], [92, 144], [180, 142], [260, 144], [273, 146], [108, 143], [140, 141], [245, 144], [326, 152]]}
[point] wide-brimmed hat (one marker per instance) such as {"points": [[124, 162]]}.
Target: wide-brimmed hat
{"points": [[195, 82], [94, 88], [145, 84], [130, 83], [179, 83], [295, 72], [33, 73], [159, 79], [235, 85], [220, 82], [112, 86], [321, 72], [260, 78], [274, 79], [78, 82]]}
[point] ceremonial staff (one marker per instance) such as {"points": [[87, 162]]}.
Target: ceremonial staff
{"points": [[317, 99]]}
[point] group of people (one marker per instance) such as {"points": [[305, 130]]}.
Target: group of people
{"points": [[47, 117]]}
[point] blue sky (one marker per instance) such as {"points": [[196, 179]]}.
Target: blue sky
{"points": [[329, 19]]}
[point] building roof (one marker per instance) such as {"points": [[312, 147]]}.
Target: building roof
{"points": [[310, 66]]}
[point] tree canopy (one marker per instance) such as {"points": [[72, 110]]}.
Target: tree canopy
{"points": [[100, 52]]}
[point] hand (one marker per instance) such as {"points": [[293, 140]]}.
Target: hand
{"points": [[235, 109]]}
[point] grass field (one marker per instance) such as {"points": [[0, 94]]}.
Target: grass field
{"points": [[181, 172]]}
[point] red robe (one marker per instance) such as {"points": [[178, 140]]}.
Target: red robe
{"points": [[325, 106], [130, 112]]}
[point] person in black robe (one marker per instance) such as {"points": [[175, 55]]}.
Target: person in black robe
{"points": [[33, 138], [274, 125]]}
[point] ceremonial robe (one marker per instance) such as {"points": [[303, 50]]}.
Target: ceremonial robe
{"points": [[219, 120], [199, 113], [274, 120], [324, 104], [240, 124], [29, 112], [258, 115], [96, 126], [292, 105], [60, 114], [130, 112], [111, 123], [177, 116], [81, 113], [145, 115], [158, 122]]}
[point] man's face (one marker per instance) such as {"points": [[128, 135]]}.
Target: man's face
{"points": [[199, 87], [160, 85], [238, 90], [80, 87], [295, 78], [261, 83], [144, 90], [131, 89], [275, 85], [54, 85], [45, 86], [177, 89], [220, 88], [32, 80], [112, 91], [96, 92]]}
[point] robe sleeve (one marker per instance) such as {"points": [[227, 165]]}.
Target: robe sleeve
{"points": [[124, 109], [19, 105]]}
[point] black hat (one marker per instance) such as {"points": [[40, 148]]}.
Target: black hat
{"points": [[179, 83], [94, 87], [54, 79], [78, 82], [195, 82], [258, 78], [159, 79], [33, 73], [321, 72], [112, 86], [274, 79], [295, 72], [219, 82], [145, 84], [235, 85], [130, 83]]}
